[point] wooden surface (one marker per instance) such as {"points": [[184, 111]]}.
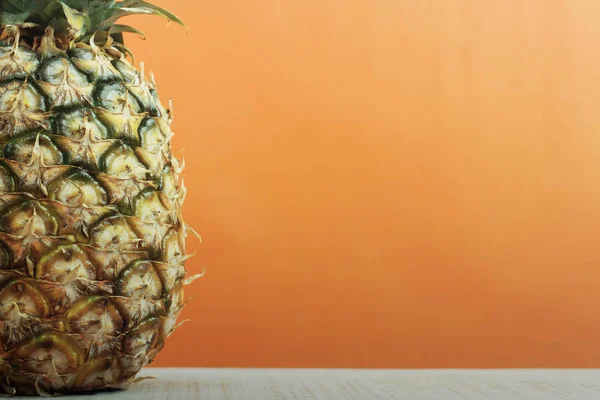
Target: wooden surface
{"points": [[312, 384]]}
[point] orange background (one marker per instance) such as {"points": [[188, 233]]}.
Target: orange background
{"points": [[387, 183]]}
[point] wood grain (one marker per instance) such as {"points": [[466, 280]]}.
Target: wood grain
{"points": [[339, 384]]}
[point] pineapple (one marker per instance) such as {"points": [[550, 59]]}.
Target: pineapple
{"points": [[91, 234]]}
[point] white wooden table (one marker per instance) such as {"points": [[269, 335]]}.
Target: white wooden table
{"points": [[337, 384]]}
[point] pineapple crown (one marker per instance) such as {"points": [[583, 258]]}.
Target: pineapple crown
{"points": [[76, 20]]}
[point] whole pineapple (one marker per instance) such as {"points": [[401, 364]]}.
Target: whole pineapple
{"points": [[91, 234]]}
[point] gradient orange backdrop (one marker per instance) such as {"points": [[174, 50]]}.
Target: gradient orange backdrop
{"points": [[387, 183]]}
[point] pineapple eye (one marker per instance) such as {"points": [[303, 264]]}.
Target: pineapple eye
{"points": [[140, 339], [8, 182], [92, 315], [77, 188], [103, 234], [120, 161], [49, 352], [65, 263], [168, 182], [171, 273], [127, 71], [139, 87], [64, 84], [174, 306], [152, 136], [96, 65], [111, 262], [175, 299], [24, 295], [149, 207], [75, 124], [16, 63], [59, 70], [139, 280], [27, 219], [22, 107], [172, 247], [116, 98], [81, 54], [17, 93], [25, 147]]}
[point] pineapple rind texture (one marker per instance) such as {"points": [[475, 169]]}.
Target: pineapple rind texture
{"points": [[92, 242]]}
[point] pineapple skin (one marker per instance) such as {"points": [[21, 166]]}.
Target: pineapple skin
{"points": [[92, 241]]}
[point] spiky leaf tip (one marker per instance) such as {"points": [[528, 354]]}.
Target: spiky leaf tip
{"points": [[77, 19]]}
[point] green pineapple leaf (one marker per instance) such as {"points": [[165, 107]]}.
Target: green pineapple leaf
{"points": [[78, 21], [117, 28], [14, 12], [132, 7]]}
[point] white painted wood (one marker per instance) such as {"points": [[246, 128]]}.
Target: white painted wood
{"points": [[337, 384]]}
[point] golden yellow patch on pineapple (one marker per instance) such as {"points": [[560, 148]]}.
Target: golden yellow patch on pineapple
{"points": [[77, 188], [97, 372], [51, 353], [139, 281], [29, 218], [90, 60], [114, 233], [120, 161], [17, 62], [64, 264], [64, 84], [93, 315], [24, 297], [22, 107]]}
